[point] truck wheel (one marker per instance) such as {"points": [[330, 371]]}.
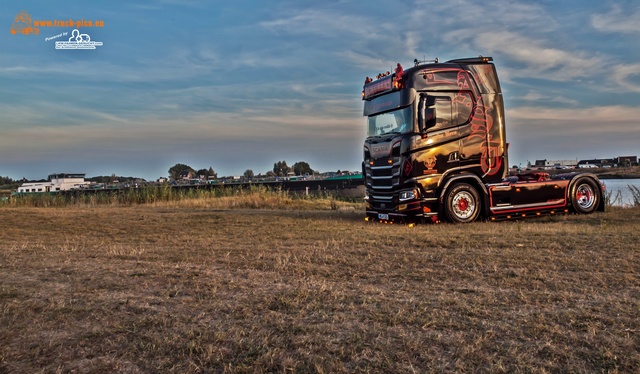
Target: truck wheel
{"points": [[585, 196], [462, 204]]}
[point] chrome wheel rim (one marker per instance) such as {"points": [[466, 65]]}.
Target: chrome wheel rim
{"points": [[463, 205], [585, 196]]}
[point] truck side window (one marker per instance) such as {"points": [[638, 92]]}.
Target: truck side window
{"points": [[443, 112], [426, 113], [435, 113]]}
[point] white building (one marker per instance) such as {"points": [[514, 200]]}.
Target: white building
{"points": [[561, 164], [56, 182]]}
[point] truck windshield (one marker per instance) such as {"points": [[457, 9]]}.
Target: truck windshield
{"points": [[398, 121]]}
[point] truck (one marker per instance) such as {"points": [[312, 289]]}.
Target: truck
{"points": [[436, 150]]}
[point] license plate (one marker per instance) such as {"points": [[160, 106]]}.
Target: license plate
{"points": [[384, 217]]}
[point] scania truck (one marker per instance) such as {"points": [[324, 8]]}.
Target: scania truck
{"points": [[436, 150]]}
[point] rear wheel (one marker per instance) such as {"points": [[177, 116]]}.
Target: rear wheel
{"points": [[462, 204], [585, 195]]}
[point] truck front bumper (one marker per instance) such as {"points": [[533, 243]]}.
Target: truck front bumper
{"points": [[402, 211]]}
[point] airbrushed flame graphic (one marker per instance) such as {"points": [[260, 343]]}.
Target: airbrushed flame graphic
{"points": [[481, 124]]}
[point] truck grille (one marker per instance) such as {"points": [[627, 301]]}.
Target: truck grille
{"points": [[382, 175]]}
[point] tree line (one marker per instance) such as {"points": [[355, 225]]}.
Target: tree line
{"points": [[280, 169], [6, 181], [178, 171]]}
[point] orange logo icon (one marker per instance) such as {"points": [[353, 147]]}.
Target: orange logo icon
{"points": [[22, 24]]}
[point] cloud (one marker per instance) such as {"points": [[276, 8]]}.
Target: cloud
{"points": [[540, 98], [537, 132], [231, 142], [523, 35], [412, 43], [371, 40], [106, 132], [627, 76], [365, 60], [533, 55], [597, 115], [530, 43], [500, 14], [533, 96], [325, 23], [620, 20]]}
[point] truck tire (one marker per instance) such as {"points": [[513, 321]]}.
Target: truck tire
{"points": [[585, 195], [462, 204]]}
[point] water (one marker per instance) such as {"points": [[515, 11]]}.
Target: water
{"points": [[621, 186]]}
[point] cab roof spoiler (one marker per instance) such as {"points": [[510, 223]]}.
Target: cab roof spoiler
{"points": [[472, 60]]}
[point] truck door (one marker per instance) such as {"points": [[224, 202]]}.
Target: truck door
{"points": [[481, 144], [438, 126]]}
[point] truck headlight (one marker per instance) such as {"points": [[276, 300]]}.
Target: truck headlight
{"points": [[408, 195]]}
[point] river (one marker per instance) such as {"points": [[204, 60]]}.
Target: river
{"points": [[619, 191]]}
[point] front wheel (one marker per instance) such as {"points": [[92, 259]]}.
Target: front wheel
{"points": [[462, 204], [585, 196]]}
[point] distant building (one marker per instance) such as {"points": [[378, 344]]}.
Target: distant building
{"points": [[187, 175], [540, 163], [561, 164], [591, 163], [55, 183], [627, 160], [597, 163]]}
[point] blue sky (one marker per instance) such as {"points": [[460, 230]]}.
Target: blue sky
{"points": [[240, 85]]}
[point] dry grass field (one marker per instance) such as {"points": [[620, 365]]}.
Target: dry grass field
{"points": [[197, 288]]}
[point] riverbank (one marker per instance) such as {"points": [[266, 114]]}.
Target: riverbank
{"points": [[631, 172]]}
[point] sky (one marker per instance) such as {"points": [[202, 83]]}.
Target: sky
{"points": [[237, 85]]}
